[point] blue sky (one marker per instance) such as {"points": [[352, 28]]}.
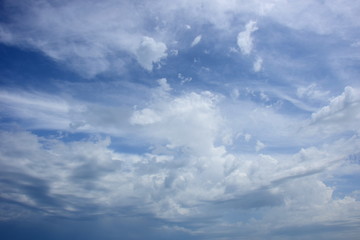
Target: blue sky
{"points": [[183, 120]]}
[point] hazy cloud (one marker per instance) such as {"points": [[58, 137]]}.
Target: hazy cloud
{"points": [[244, 38]]}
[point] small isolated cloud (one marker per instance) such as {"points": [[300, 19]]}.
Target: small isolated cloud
{"points": [[196, 41], [184, 79], [258, 64], [174, 52], [149, 52], [244, 38], [259, 146]]}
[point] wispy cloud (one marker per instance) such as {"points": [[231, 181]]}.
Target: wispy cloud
{"points": [[244, 38], [196, 41]]}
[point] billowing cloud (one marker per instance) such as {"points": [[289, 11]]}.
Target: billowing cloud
{"points": [[342, 114], [150, 52], [174, 135], [348, 99]]}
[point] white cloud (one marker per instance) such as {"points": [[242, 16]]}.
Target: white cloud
{"points": [[164, 85], [312, 92], [257, 66], [150, 52], [348, 99], [41, 110], [244, 38], [84, 36], [176, 119], [326, 17], [88, 37], [144, 117], [342, 113], [196, 41], [190, 162], [184, 172], [184, 79], [259, 146]]}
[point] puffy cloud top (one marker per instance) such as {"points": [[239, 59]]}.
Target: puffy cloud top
{"points": [[150, 52]]}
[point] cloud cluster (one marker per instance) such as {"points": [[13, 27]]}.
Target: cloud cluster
{"points": [[90, 37], [187, 172], [220, 146]]}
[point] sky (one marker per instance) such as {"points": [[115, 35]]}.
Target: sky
{"points": [[220, 119]]}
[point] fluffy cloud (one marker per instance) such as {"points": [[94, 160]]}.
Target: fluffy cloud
{"points": [[149, 52], [342, 113], [349, 98], [230, 154], [244, 38], [190, 113], [69, 179], [185, 172]]}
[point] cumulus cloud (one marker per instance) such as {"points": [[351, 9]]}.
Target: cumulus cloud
{"points": [[184, 172], [150, 52], [342, 113], [196, 41], [244, 38], [190, 113], [350, 97], [178, 156]]}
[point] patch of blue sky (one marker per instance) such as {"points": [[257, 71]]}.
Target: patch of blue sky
{"points": [[30, 69]]}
